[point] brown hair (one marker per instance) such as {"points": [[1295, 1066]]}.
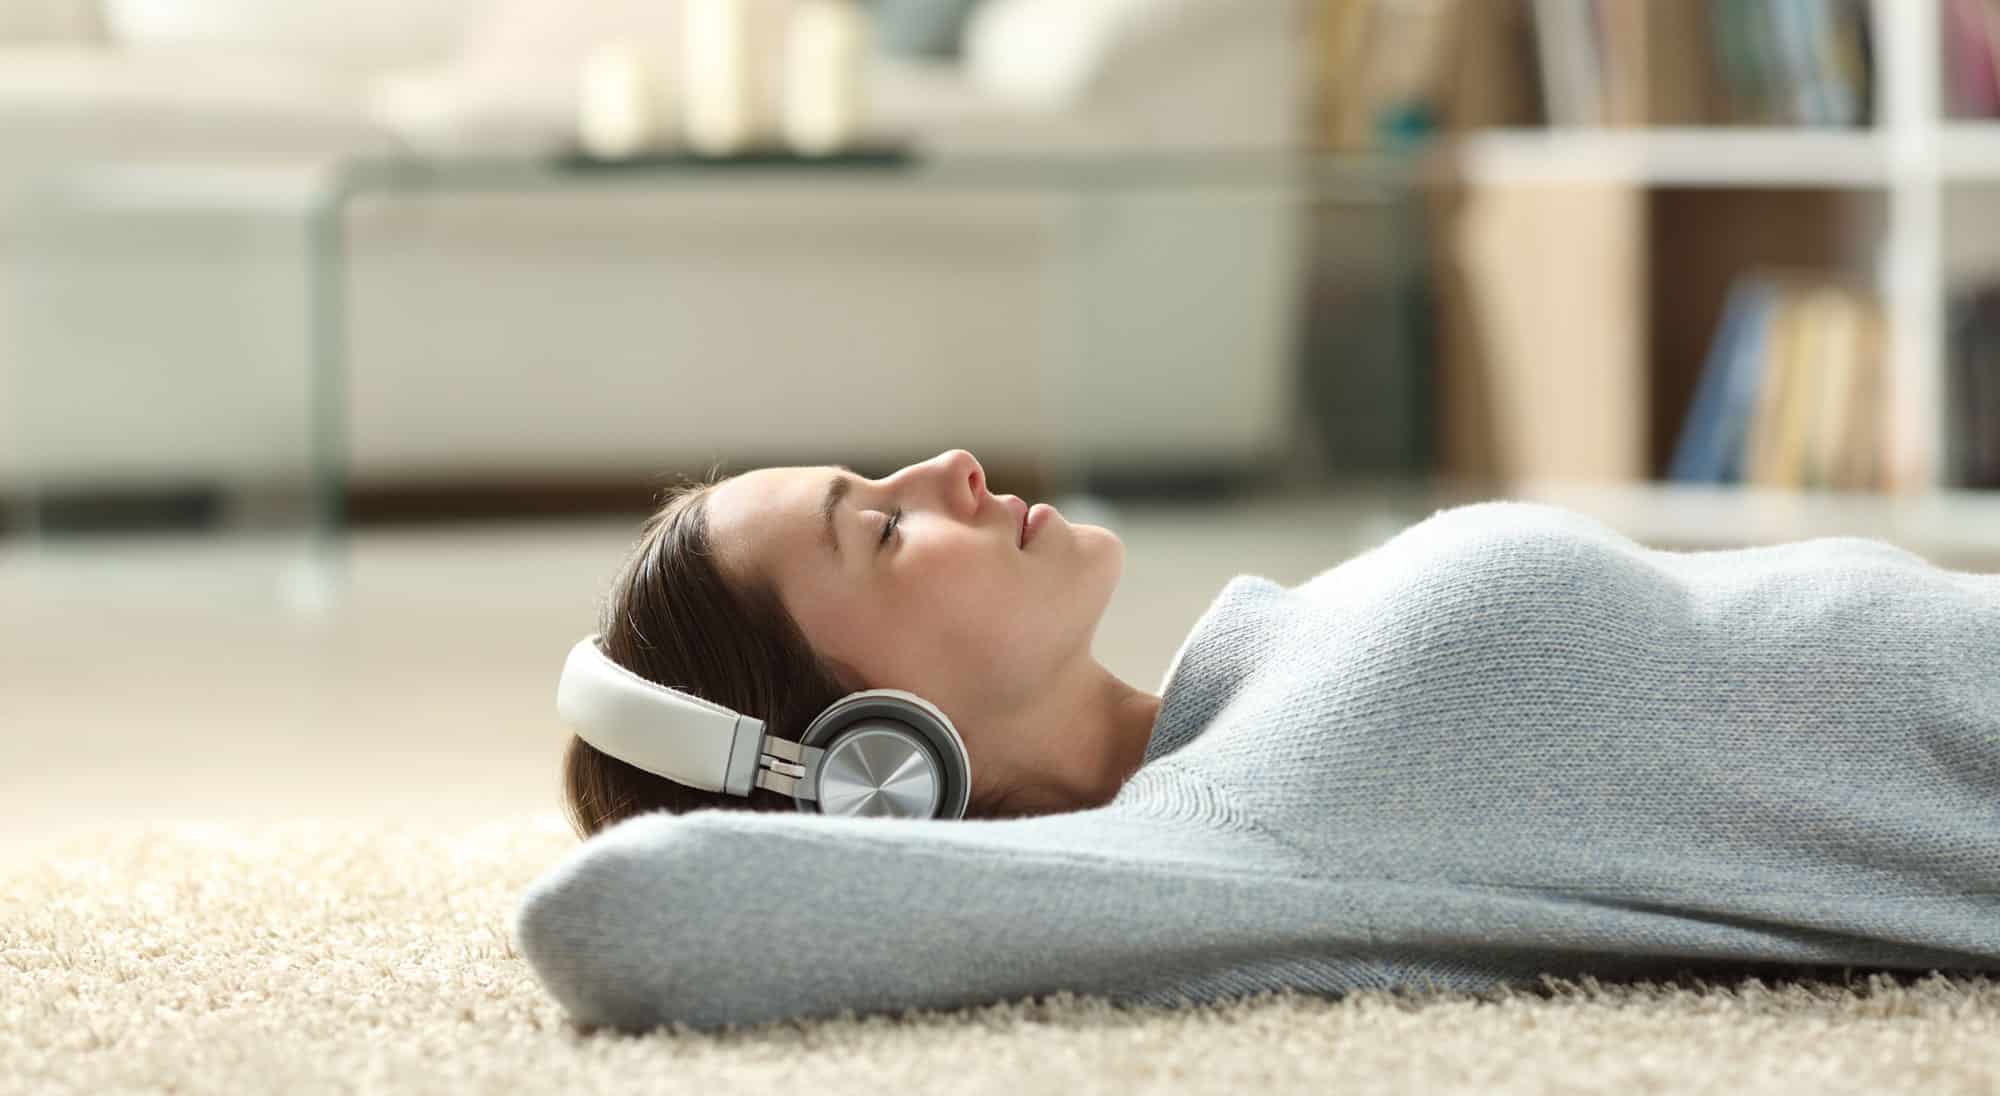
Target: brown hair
{"points": [[671, 618]]}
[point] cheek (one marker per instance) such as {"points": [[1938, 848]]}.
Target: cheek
{"points": [[985, 624], [959, 607]]}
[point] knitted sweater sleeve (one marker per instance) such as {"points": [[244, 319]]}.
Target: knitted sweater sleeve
{"points": [[716, 918]]}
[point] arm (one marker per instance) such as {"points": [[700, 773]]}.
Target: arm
{"points": [[720, 917]]}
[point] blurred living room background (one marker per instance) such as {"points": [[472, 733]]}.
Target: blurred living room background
{"points": [[345, 345]]}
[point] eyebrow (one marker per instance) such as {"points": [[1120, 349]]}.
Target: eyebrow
{"points": [[836, 489]]}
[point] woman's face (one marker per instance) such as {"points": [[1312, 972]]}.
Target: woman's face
{"points": [[950, 607]]}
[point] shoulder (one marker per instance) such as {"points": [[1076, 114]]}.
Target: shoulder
{"points": [[1514, 537], [1514, 521], [1471, 543]]}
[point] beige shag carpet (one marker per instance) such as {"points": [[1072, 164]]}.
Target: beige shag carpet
{"points": [[321, 956]]}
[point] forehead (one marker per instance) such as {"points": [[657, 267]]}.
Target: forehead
{"points": [[761, 517]]}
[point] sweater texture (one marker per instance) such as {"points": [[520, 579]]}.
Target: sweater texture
{"points": [[1508, 741]]}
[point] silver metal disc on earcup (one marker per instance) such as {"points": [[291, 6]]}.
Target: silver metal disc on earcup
{"points": [[878, 771], [887, 752]]}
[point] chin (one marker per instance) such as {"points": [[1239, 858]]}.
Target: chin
{"points": [[1101, 544], [1094, 532]]}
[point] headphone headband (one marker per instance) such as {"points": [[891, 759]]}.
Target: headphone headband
{"points": [[873, 752], [664, 731]]}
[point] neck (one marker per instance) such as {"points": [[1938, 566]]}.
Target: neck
{"points": [[1134, 712], [1081, 745]]}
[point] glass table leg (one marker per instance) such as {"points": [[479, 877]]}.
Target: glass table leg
{"points": [[322, 573]]}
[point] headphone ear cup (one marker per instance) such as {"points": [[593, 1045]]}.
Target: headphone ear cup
{"points": [[888, 752], [878, 769]]}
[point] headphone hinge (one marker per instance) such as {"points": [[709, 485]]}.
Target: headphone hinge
{"points": [[785, 764]]}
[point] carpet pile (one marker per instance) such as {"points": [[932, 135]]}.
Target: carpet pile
{"points": [[315, 955]]}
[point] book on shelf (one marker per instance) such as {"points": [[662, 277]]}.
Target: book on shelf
{"points": [[1791, 391], [1972, 452], [1703, 62], [1622, 62], [1383, 70], [1541, 359], [1710, 447], [1971, 30], [1387, 70], [1572, 73]]}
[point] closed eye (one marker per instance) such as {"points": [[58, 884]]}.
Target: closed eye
{"points": [[889, 527]]}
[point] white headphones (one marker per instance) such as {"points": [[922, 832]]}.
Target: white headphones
{"points": [[876, 752]]}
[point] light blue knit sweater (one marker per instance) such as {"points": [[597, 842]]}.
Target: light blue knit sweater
{"points": [[1507, 741]]}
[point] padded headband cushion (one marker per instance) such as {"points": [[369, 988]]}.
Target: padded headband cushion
{"points": [[663, 731]]}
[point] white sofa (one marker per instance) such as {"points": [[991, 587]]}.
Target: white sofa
{"points": [[603, 334]]}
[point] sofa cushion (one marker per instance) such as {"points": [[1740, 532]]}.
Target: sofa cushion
{"points": [[76, 21], [935, 104], [366, 35], [1182, 73], [61, 104], [537, 39], [513, 84], [921, 28], [514, 87], [930, 103]]}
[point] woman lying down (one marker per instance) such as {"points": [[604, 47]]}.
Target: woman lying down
{"points": [[1508, 741]]}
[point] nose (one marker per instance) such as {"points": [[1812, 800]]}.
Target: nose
{"points": [[965, 468], [960, 479]]}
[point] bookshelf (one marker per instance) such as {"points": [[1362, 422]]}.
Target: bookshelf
{"points": [[1685, 156], [1907, 205], [1969, 152]]}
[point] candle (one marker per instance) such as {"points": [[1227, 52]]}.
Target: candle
{"points": [[720, 94], [621, 105], [822, 76]]}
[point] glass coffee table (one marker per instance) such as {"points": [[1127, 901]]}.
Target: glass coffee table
{"points": [[313, 205]]}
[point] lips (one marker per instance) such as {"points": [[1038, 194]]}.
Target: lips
{"points": [[1020, 509]]}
